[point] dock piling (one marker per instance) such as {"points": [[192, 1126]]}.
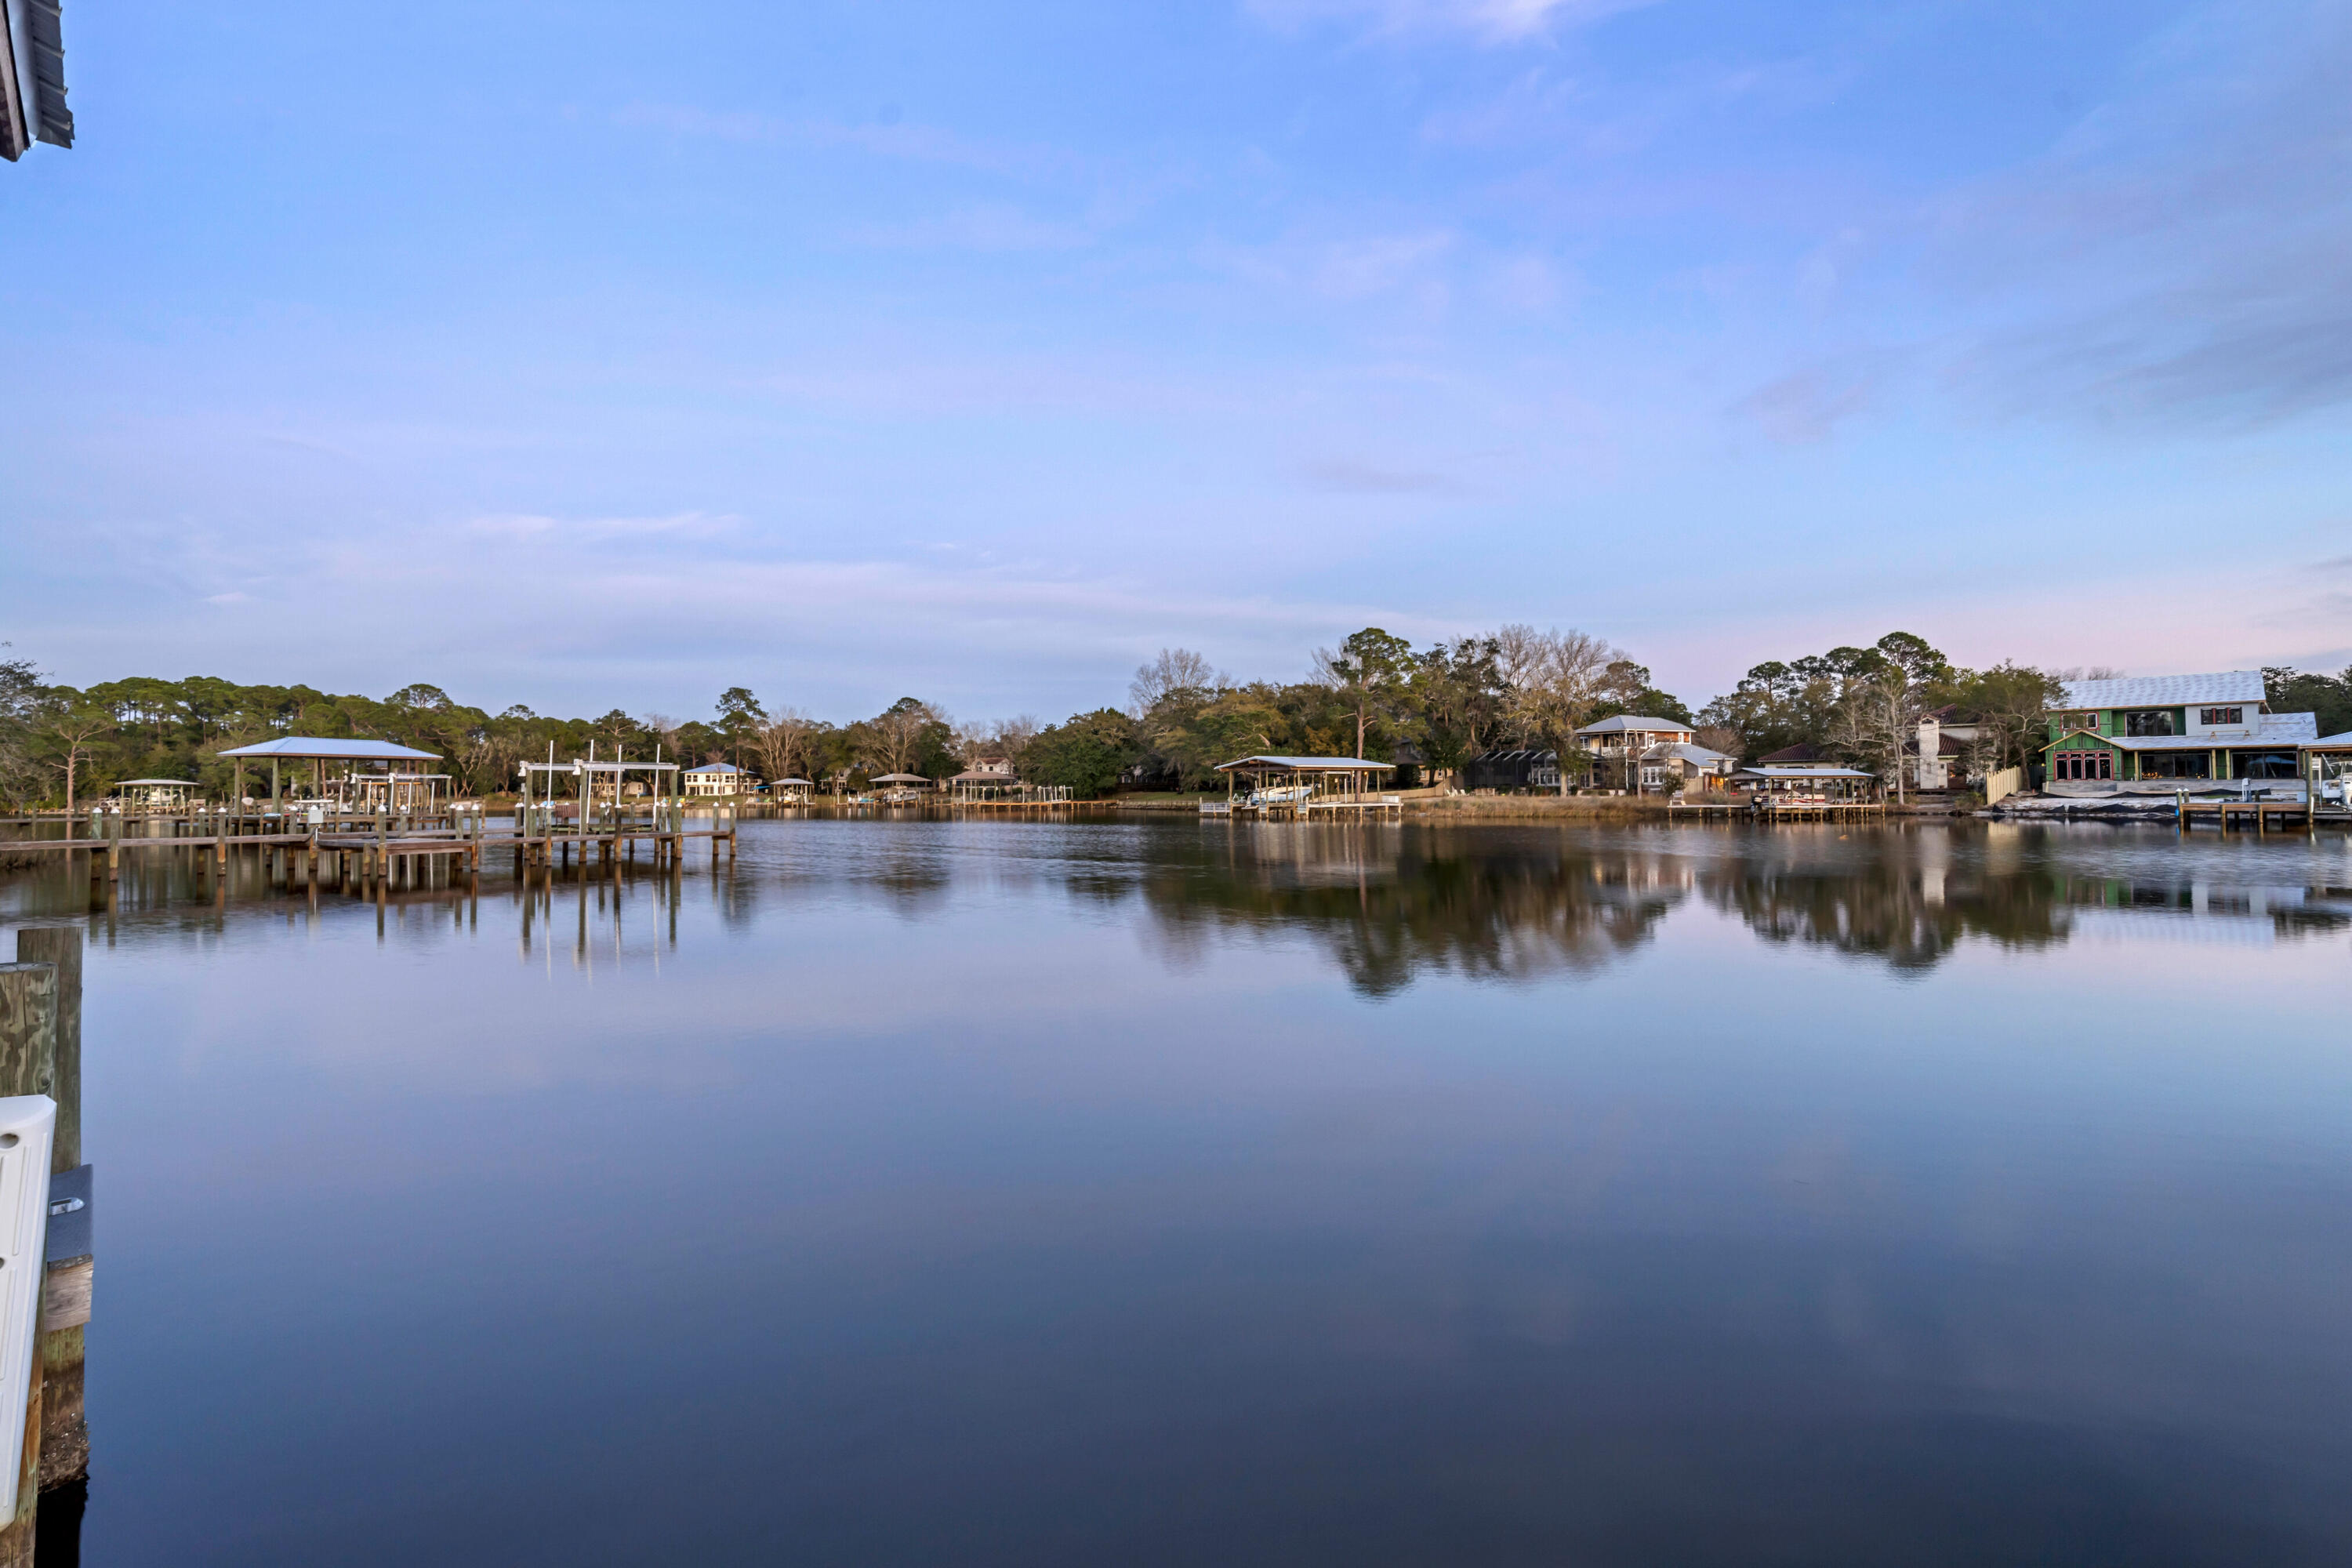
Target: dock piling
{"points": [[28, 1025], [66, 1294]]}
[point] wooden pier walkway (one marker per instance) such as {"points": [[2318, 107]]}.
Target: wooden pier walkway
{"points": [[2267, 815], [374, 847]]}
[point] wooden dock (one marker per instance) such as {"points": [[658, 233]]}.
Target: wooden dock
{"points": [[363, 847], [2263, 816]]}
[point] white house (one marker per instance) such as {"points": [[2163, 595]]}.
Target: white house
{"points": [[1663, 749], [714, 778]]}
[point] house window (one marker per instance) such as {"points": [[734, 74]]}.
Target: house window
{"points": [[2084, 765], [2148, 722], [2266, 764], [2211, 716], [2176, 765]]}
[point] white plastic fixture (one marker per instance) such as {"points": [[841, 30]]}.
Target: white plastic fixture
{"points": [[28, 1124]]}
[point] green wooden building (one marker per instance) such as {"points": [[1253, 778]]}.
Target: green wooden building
{"points": [[2159, 733]]}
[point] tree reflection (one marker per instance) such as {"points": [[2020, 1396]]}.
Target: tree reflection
{"points": [[1908, 899], [1390, 906]]}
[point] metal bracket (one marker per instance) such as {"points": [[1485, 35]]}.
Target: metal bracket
{"points": [[69, 1216]]}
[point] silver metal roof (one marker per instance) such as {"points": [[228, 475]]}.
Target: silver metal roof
{"points": [[1762, 772], [321, 748], [2344, 740], [2165, 691], [2275, 730], [1307, 764], [32, 77]]}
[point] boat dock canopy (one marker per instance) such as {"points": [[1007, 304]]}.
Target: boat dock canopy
{"points": [[1304, 765], [316, 748]]}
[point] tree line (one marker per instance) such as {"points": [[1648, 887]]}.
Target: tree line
{"points": [[1374, 696]]}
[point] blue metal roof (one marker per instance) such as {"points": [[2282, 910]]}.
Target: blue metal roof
{"points": [[320, 747]]}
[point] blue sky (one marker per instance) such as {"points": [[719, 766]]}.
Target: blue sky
{"points": [[580, 353]]}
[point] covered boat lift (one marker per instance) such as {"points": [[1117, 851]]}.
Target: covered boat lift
{"points": [[318, 749], [1295, 786]]}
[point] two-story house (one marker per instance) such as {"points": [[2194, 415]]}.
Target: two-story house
{"points": [[2153, 733], [1646, 753]]}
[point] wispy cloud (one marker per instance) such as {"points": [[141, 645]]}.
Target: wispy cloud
{"points": [[974, 225], [1346, 476], [1808, 405], [1492, 21], [880, 139], [2181, 254]]}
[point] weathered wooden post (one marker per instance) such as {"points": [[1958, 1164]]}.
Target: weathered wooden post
{"points": [[66, 1294], [28, 1021]]}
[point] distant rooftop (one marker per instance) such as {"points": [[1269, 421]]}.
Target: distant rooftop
{"points": [[1634, 721], [2165, 691]]}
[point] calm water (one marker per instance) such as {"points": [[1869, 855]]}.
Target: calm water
{"points": [[1158, 1193]]}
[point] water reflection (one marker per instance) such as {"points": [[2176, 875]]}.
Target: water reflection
{"points": [[1387, 904], [1390, 906], [1171, 1192], [1501, 904]]}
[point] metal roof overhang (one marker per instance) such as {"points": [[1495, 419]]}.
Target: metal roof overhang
{"points": [[1305, 764], [318, 748]]}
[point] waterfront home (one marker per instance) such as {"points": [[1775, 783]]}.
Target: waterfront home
{"points": [[1693, 766], [1614, 736], [714, 778], [1648, 755], [2154, 734], [1939, 753]]}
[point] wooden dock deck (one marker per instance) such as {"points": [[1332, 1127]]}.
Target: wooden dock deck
{"points": [[2265, 815], [378, 848]]}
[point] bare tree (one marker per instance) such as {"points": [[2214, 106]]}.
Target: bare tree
{"points": [[1177, 671], [1876, 722], [1006, 738], [894, 740], [1014, 735], [782, 743], [1557, 679]]}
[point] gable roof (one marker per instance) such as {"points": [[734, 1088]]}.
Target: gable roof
{"points": [[1309, 764], [1765, 773], [323, 748], [2165, 691]]}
